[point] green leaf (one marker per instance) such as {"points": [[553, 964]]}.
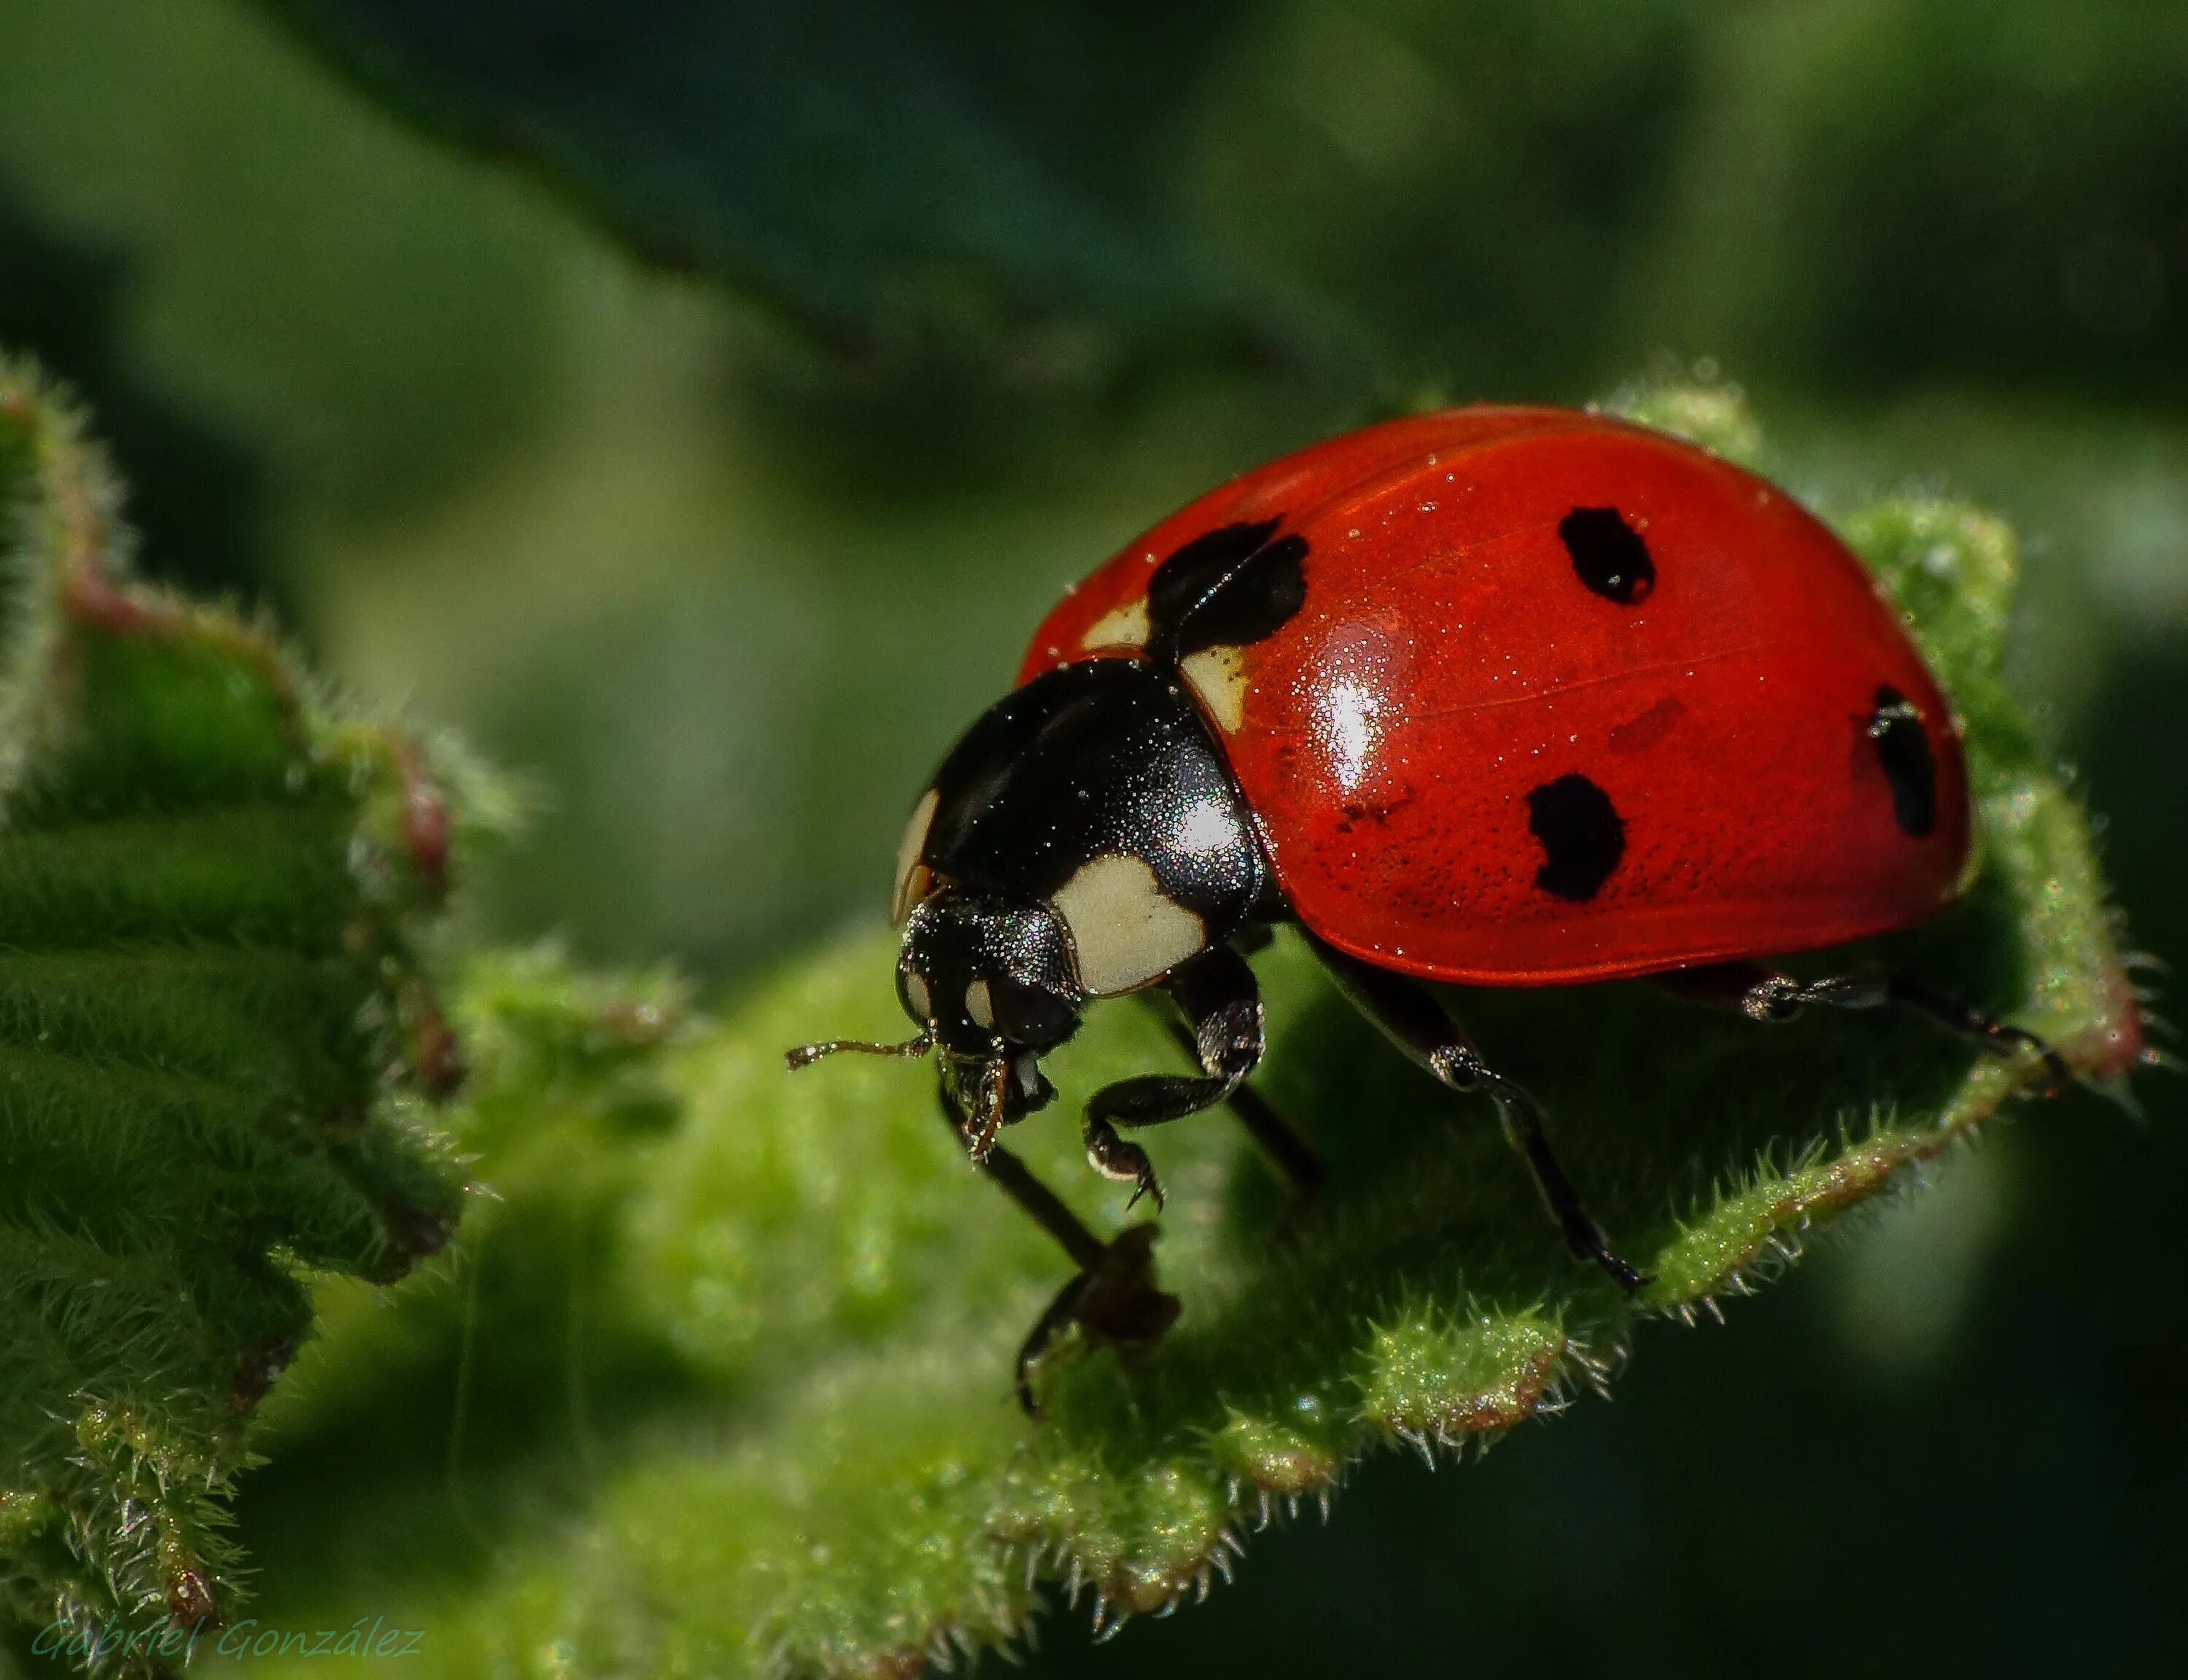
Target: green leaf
{"points": [[846, 161], [784, 1442], [217, 1046]]}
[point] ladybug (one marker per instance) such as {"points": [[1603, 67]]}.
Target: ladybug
{"points": [[1499, 696]]}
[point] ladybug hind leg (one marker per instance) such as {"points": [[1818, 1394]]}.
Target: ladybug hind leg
{"points": [[1411, 1017], [1764, 995]]}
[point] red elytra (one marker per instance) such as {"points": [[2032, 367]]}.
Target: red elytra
{"points": [[1395, 739]]}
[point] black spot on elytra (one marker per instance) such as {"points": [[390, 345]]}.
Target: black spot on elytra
{"points": [[1894, 730], [1582, 833], [1225, 588], [1608, 553]]}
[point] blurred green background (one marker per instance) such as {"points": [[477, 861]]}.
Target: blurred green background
{"points": [[717, 546]]}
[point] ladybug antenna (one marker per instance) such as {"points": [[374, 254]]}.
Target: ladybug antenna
{"points": [[805, 1055]]}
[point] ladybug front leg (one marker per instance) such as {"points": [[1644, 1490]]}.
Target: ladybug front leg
{"points": [[1035, 1199], [1112, 1296], [1411, 1017], [1222, 1006], [1113, 1301], [1764, 995]]}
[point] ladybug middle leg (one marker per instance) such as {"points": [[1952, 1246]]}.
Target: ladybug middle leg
{"points": [[1412, 1019], [1214, 996], [1763, 994], [1217, 993], [1297, 1161]]}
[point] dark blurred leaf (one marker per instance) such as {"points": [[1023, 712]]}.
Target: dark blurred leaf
{"points": [[199, 490], [994, 204], [1875, 195], [850, 161], [1475, 184]]}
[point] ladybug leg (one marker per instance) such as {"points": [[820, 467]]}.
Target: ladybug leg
{"points": [[1113, 1158], [1114, 1301], [1203, 991], [1991, 1033], [1040, 1204], [1296, 1160], [1055, 1319], [1223, 1006], [1411, 1017], [1761, 994], [1112, 1295]]}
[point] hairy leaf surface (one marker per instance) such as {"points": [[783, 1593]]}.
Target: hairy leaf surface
{"points": [[217, 1053]]}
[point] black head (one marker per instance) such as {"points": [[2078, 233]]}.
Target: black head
{"points": [[992, 984], [992, 988], [1083, 839], [985, 977]]}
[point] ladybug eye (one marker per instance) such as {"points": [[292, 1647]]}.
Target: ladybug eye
{"points": [[1031, 1015], [911, 992]]}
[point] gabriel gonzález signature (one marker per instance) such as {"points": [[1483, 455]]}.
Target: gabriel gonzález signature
{"points": [[110, 1641]]}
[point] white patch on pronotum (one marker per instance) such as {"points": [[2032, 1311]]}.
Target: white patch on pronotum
{"points": [[1125, 932], [980, 1004], [1218, 676], [911, 875], [1125, 626]]}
